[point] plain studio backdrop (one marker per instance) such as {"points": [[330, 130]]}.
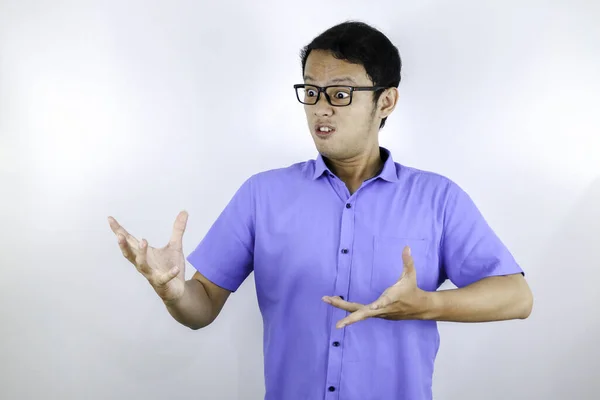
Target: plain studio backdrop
{"points": [[141, 109]]}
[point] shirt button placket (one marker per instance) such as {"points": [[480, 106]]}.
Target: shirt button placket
{"points": [[334, 368]]}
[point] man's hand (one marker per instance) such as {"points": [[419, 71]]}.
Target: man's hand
{"points": [[164, 268], [403, 300]]}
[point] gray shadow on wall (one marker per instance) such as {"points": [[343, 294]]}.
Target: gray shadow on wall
{"points": [[565, 358], [553, 354]]}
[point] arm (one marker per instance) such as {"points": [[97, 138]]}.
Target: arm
{"points": [[201, 303], [491, 286], [223, 260], [495, 298]]}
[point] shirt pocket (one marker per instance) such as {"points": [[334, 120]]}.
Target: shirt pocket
{"points": [[387, 263]]}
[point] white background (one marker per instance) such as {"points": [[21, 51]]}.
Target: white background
{"points": [[141, 109]]}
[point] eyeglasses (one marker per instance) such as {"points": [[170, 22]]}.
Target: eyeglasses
{"points": [[338, 96]]}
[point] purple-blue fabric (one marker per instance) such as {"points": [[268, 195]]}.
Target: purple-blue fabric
{"points": [[304, 236]]}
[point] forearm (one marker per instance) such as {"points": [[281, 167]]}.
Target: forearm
{"points": [[491, 299], [194, 309]]}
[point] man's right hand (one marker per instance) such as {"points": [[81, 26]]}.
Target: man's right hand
{"points": [[163, 267]]}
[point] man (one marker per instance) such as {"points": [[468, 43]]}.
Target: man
{"points": [[347, 250]]}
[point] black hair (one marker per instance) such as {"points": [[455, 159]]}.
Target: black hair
{"points": [[360, 43]]}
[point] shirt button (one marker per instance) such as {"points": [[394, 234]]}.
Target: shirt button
{"points": [[344, 251], [336, 344], [331, 389], [348, 205]]}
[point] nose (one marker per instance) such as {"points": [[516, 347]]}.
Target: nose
{"points": [[322, 108]]}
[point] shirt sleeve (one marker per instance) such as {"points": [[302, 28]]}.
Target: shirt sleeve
{"points": [[470, 249], [225, 255]]}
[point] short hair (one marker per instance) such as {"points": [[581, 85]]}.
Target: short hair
{"points": [[360, 43]]}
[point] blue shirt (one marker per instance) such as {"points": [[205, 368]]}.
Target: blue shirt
{"points": [[304, 236]]}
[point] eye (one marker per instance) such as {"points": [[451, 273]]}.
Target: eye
{"points": [[341, 95], [311, 92]]}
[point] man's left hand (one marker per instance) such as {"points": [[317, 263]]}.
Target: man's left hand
{"points": [[403, 300]]}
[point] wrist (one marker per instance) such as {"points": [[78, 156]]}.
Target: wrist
{"points": [[173, 302], [431, 306]]}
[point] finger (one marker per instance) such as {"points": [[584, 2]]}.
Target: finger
{"points": [[356, 316], [382, 302], [114, 225], [178, 230], [118, 229], [141, 260], [125, 249], [336, 301], [165, 278], [409, 263]]}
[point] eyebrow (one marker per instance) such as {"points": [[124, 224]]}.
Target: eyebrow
{"points": [[335, 80]]}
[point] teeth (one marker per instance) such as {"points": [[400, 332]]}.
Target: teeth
{"points": [[324, 129]]}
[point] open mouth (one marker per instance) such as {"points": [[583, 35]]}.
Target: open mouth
{"points": [[324, 130]]}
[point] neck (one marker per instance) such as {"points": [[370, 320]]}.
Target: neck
{"points": [[355, 170]]}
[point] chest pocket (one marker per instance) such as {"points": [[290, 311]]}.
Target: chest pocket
{"points": [[388, 265]]}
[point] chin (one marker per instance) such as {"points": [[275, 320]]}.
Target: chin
{"points": [[329, 151]]}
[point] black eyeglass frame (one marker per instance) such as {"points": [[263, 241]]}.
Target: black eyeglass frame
{"points": [[323, 90]]}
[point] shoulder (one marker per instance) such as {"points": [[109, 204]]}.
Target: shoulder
{"points": [[427, 182], [284, 176]]}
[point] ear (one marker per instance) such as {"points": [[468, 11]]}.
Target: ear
{"points": [[387, 102]]}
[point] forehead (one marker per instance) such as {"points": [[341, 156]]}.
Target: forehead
{"points": [[323, 68]]}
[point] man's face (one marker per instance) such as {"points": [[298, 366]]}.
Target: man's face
{"points": [[355, 127]]}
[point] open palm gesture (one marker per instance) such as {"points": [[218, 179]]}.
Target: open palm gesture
{"points": [[164, 267]]}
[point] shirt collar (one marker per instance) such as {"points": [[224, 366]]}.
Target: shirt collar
{"points": [[388, 172]]}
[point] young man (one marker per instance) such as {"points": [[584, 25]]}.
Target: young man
{"points": [[347, 250]]}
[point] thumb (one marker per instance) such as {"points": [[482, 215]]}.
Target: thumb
{"points": [[409, 263], [178, 230], [163, 279]]}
